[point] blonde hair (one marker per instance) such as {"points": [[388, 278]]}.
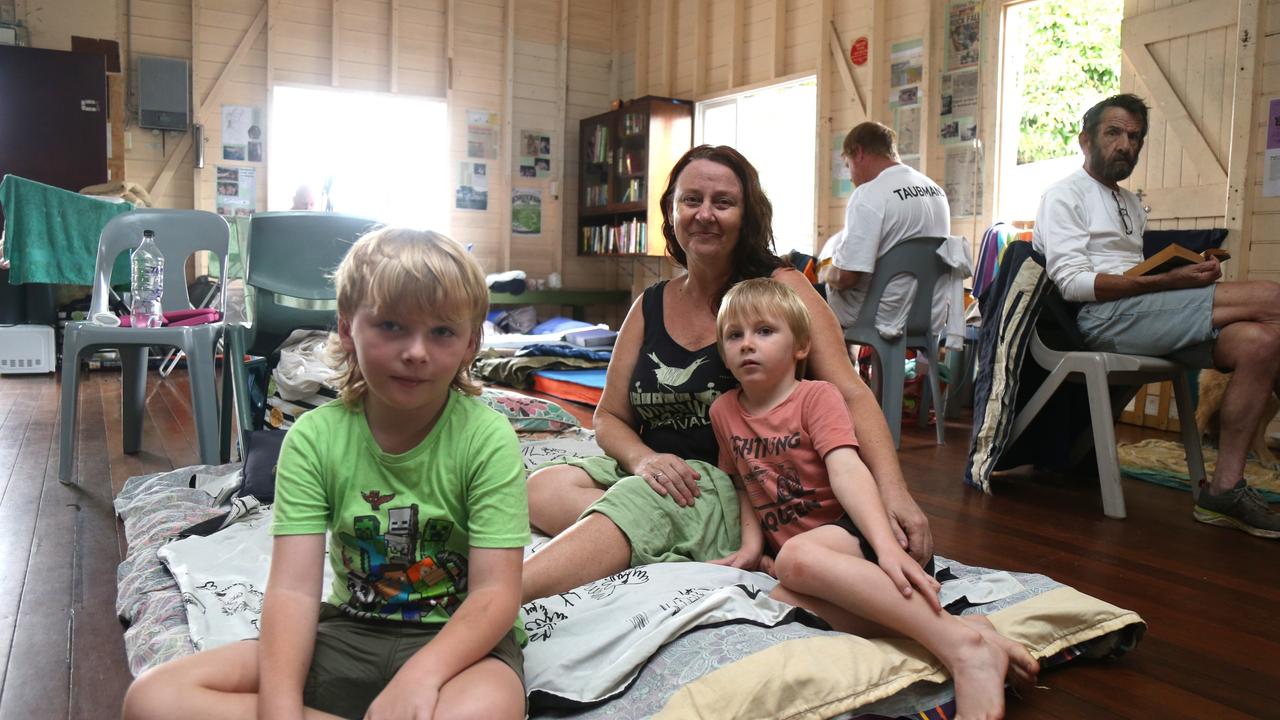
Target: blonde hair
{"points": [[764, 297], [416, 272]]}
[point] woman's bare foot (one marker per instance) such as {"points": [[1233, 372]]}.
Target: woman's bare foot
{"points": [[1025, 668], [978, 668]]}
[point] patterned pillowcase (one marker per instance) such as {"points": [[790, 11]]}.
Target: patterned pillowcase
{"points": [[528, 414]]}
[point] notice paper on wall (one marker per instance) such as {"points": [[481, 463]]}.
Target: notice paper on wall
{"points": [[237, 190], [473, 186], [482, 134], [1271, 161], [964, 25], [242, 133], [526, 212], [964, 181], [535, 153], [841, 180], [958, 110]]}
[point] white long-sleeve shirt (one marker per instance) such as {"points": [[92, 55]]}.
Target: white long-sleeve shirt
{"points": [[1080, 231]]}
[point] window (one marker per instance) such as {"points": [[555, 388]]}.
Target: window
{"points": [[382, 156], [772, 127], [1060, 57]]}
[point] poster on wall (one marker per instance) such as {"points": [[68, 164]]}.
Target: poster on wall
{"points": [[1271, 159], [535, 154], [964, 18], [841, 181], [482, 134], [526, 212], [964, 181], [237, 188], [242, 133], [906, 122], [473, 186], [906, 69], [958, 107]]}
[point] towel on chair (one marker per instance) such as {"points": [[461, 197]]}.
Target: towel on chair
{"points": [[51, 235]]}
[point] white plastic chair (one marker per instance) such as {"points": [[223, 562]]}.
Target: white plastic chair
{"points": [[917, 257], [179, 234], [1099, 371]]}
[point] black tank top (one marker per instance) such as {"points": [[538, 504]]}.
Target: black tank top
{"points": [[672, 388]]}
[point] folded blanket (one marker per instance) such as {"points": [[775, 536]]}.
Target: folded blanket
{"points": [[51, 235]]}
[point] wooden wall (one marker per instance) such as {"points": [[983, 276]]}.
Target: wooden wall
{"points": [[546, 64]]}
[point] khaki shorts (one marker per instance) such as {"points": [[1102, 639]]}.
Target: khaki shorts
{"points": [[355, 659]]}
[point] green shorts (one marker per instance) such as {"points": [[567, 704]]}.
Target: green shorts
{"points": [[658, 529], [354, 659]]}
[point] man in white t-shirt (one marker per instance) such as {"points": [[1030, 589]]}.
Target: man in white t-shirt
{"points": [[890, 203], [1090, 231]]}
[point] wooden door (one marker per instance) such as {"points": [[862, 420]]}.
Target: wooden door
{"points": [[1180, 56]]}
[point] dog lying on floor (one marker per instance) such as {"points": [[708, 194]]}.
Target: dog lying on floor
{"points": [[1213, 384]]}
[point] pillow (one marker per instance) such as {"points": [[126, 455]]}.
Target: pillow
{"points": [[528, 414]]}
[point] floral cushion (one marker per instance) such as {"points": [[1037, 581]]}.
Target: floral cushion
{"points": [[528, 414]]}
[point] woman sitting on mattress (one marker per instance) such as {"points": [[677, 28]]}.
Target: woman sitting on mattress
{"points": [[658, 495]]}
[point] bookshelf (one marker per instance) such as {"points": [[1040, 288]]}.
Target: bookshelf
{"points": [[627, 155]]}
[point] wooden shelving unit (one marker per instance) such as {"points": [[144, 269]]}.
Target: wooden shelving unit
{"points": [[626, 156]]}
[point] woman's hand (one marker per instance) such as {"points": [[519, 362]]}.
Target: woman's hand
{"points": [[667, 474], [906, 573], [743, 559], [909, 525]]}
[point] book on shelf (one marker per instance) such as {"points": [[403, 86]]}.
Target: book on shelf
{"points": [[625, 238], [1173, 256]]}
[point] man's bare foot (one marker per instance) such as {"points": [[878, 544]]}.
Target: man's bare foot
{"points": [[978, 668], [1025, 668]]}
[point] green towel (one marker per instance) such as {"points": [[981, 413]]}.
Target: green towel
{"points": [[51, 235]]}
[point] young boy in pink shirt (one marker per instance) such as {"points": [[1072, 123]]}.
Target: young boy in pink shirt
{"points": [[809, 503]]}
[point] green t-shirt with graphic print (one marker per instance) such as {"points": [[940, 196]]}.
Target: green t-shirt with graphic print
{"points": [[401, 525]]}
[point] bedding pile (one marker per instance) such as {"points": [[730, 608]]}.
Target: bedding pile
{"points": [[676, 640]]}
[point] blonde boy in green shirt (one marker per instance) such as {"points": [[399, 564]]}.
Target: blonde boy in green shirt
{"points": [[422, 491]]}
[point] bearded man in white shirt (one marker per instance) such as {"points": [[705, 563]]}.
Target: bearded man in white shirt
{"points": [[1090, 231]]}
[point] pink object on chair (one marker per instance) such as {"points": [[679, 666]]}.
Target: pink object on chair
{"points": [[180, 318]]}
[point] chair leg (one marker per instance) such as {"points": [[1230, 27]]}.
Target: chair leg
{"points": [[892, 361], [204, 401], [226, 407], [133, 395], [1104, 443], [70, 404], [937, 400], [1190, 433]]}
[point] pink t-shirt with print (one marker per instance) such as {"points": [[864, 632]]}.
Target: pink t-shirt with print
{"points": [[780, 456]]}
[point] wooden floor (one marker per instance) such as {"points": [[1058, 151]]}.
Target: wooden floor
{"points": [[1210, 596]]}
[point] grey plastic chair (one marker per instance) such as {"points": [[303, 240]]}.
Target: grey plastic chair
{"points": [[917, 257], [179, 234], [289, 265], [1100, 371]]}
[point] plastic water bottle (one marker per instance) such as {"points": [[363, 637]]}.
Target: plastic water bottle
{"points": [[147, 286]]}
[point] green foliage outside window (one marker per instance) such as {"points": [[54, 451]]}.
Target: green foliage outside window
{"points": [[1072, 61]]}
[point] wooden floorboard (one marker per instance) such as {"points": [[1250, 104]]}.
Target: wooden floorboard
{"points": [[1209, 595]]}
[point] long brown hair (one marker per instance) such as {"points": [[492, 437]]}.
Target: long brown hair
{"points": [[753, 256]]}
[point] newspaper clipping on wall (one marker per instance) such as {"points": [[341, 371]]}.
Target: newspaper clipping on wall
{"points": [[964, 26], [963, 183]]}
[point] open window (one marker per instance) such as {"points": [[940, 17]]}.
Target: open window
{"points": [[373, 154], [773, 128], [1059, 58]]}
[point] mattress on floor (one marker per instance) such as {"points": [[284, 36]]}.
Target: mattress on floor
{"points": [[583, 386]]}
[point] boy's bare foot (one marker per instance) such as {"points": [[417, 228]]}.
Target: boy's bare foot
{"points": [[1025, 667], [978, 668]]}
